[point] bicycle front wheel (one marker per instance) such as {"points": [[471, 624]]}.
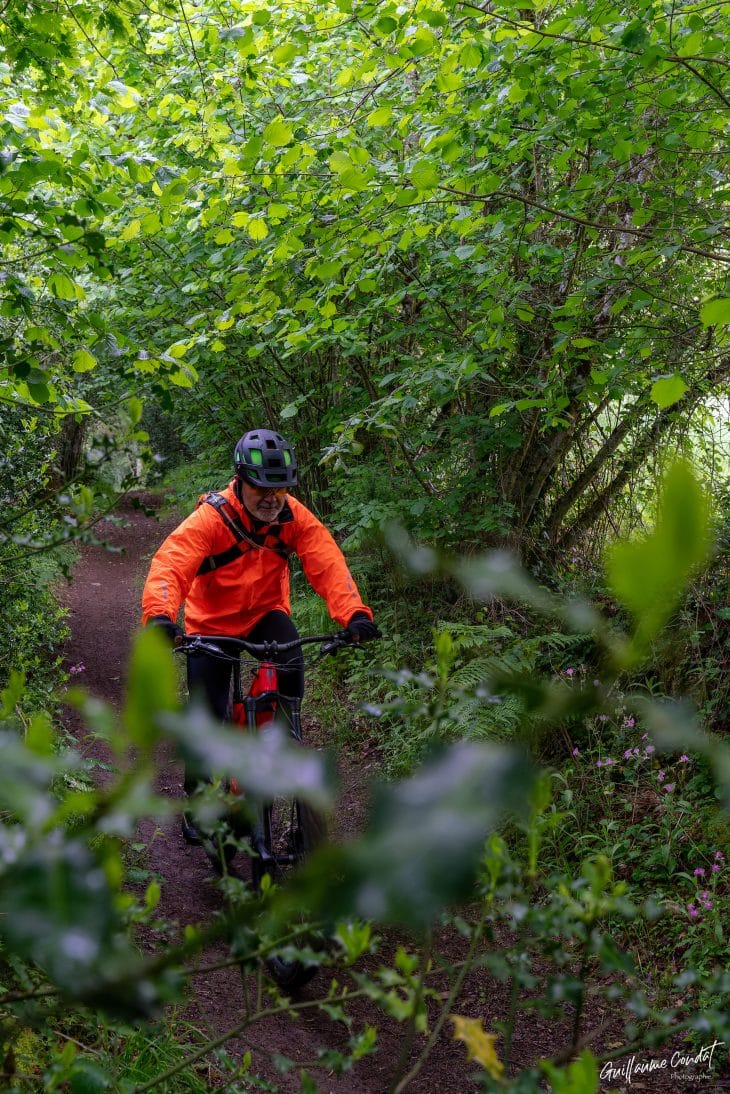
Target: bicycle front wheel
{"points": [[287, 832]]}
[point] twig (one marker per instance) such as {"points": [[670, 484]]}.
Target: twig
{"points": [[411, 1031], [445, 1011], [621, 229], [216, 1042]]}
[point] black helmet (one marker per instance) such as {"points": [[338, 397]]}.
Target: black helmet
{"points": [[264, 458]]}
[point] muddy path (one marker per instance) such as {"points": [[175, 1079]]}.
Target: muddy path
{"points": [[103, 602]]}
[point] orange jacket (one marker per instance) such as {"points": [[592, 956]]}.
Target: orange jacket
{"points": [[232, 599]]}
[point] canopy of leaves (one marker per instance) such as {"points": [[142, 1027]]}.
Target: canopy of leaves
{"points": [[482, 248]]}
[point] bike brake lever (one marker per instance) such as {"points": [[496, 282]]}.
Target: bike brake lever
{"points": [[197, 646]]}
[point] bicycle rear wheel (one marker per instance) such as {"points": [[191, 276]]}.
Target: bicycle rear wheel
{"points": [[288, 830]]}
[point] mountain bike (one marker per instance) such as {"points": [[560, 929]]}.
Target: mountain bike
{"points": [[284, 830]]}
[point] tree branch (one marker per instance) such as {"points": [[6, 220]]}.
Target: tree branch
{"points": [[621, 229]]}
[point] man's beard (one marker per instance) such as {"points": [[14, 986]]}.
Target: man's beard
{"points": [[266, 511]]}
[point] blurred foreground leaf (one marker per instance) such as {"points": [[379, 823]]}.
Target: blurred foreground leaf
{"points": [[424, 840], [58, 909], [152, 686], [579, 1077], [26, 782], [265, 764], [648, 575]]}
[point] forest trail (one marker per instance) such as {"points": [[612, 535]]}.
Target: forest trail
{"points": [[103, 602]]}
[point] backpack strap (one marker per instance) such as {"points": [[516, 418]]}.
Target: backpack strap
{"points": [[245, 540]]}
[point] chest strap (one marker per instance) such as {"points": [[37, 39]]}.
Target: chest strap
{"points": [[246, 540]]}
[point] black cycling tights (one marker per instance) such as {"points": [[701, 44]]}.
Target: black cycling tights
{"points": [[211, 678]]}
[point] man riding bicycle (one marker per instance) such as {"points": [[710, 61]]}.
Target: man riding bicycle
{"points": [[227, 562]]}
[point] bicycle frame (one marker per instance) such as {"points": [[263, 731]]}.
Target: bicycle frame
{"points": [[279, 844], [258, 706], [253, 711]]}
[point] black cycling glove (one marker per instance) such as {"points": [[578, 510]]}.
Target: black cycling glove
{"points": [[172, 630], [361, 628]]}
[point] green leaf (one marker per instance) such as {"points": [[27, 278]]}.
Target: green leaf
{"points": [[386, 24], [339, 162], [152, 686], [182, 377], [716, 312], [132, 229], [579, 1077], [277, 133], [470, 56], [648, 575], [257, 228], [135, 407], [423, 42], [83, 361], [62, 287], [285, 53], [668, 390], [381, 116], [86, 1077], [40, 735], [424, 175]]}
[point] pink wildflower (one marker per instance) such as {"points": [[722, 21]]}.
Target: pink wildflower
{"points": [[630, 722], [692, 911], [660, 776], [699, 871], [684, 758], [575, 752], [602, 717], [569, 672], [648, 750], [715, 868], [599, 763], [76, 669], [668, 788], [719, 856], [608, 761], [636, 752], [628, 753]]}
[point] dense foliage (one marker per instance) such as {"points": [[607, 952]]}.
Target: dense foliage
{"points": [[408, 235]]}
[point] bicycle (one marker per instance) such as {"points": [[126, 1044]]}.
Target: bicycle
{"points": [[285, 830]]}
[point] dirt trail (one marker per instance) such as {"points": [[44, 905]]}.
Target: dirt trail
{"points": [[103, 601]]}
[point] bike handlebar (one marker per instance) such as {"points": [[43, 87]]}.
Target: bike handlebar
{"points": [[208, 643]]}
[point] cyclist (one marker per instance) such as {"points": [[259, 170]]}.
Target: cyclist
{"points": [[227, 562]]}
